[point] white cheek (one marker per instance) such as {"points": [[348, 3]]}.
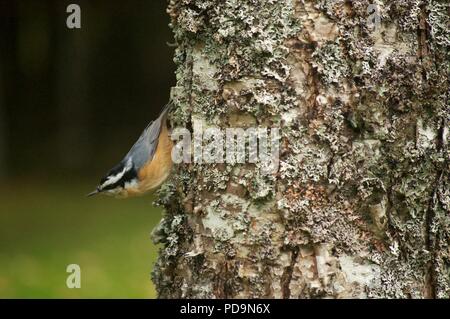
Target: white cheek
{"points": [[131, 184]]}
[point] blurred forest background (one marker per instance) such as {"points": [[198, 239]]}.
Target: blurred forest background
{"points": [[72, 103]]}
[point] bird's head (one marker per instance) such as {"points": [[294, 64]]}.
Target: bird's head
{"points": [[118, 181]]}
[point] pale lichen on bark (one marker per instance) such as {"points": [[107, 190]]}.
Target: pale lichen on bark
{"points": [[360, 204]]}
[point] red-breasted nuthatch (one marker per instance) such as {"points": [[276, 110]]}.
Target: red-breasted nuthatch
{"points": [[145, 167]]}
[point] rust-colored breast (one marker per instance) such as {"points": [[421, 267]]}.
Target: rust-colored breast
{"points": [[155, 172]]}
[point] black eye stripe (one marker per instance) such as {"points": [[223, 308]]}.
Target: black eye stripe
{"points": [[109, 187]]}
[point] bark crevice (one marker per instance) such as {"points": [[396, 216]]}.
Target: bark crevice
{"points": [[430, 244], [286, 277]]}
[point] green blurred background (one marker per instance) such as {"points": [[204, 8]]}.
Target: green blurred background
{"points": [[72, 102]]}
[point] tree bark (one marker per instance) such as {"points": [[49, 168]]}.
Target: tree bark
{"points": [[360, 205]]}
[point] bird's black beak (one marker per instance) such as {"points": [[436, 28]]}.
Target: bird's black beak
{"points": [[93, 193]]}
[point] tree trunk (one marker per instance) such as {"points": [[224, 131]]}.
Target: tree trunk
{"points": [[360, 205]]}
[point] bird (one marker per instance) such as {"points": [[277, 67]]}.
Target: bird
{"points": [[145, 167]]}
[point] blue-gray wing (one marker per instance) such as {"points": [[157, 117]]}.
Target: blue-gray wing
{"points": [[145, 147]]}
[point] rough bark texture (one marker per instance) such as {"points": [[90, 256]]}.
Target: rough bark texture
{"points": [[360, 205]]}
